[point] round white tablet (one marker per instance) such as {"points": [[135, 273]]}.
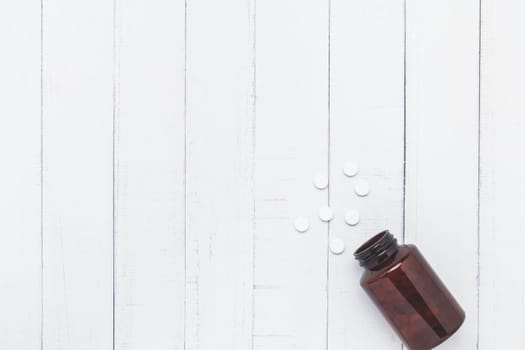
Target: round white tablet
{"points": [[326, 213], [337, 246], [321, 181], [351, 169], [301, 224], [362, 188], [352, 217]]}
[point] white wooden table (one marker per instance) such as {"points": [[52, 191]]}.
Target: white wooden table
{"points": [[154, 154]]}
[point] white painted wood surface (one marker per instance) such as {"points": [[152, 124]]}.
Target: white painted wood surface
{"points": [[77, 175], [442, 112], [502, 191], [155, 154], [20, 182], [366, 126], [149, 174], [290, 274], [219, 174]]}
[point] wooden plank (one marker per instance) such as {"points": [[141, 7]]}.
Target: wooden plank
{"points": [[292, 146], [502, 197], [78, 171], [220, 124], [20, 219], [442, 147], [150, 153], [366, 127]]}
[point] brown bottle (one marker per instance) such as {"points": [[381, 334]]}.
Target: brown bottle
{"points": [[408, 292]]}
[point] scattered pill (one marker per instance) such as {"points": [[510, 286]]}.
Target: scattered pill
{"points": [[321, 181], [352, 217], [337, 246], [326, 213], [362, 188], [301, 224], [350, 169]]}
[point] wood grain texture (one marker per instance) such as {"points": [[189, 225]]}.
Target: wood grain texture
{"points": [[292, 146], [156, 153], [150, 175], [442, 147], [20, 219], [366, 127], [78, 171], [502, 284], [220, 195]]}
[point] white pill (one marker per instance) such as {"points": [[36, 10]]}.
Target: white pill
{"points": [[362, 188], [326, 213], [321, 181], [351, 169], [337, 246], [352, 217], [302, 224]]}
